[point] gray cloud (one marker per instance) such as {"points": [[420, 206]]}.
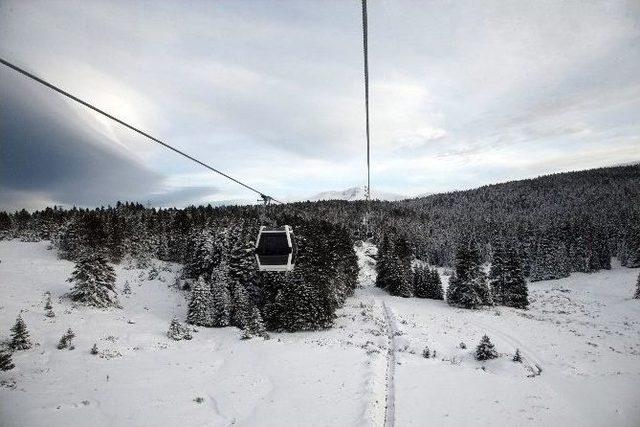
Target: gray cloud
{"points": [[46, 156], [463, 92]]}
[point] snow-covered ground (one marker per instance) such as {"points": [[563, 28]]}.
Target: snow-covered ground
{"points": [[583, 332]]}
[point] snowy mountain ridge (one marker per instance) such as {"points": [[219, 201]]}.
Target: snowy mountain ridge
{"points": [[356, 193]]}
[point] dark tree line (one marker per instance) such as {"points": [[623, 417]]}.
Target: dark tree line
{"points": [[554, 225]]}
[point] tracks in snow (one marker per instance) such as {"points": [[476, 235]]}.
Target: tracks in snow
{"points": [[389, 414]]}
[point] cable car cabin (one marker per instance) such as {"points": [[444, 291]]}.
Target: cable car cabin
{"points": [[275, 249]]}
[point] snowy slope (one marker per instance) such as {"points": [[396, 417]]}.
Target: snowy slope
{"points": [[583, 332], [581, 335], [145, 379], [356, 193]]}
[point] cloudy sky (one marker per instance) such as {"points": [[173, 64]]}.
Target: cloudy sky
{"points": [[463, 93]]}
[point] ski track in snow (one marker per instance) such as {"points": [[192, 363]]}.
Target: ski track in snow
{"points": [[389, 415]]}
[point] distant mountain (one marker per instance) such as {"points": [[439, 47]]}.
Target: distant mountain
{"points": [[356, 193]]}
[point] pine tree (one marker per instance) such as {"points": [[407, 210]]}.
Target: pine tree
{"points": [[550, 260], [178, 332], [427, 284], [94, 281], [637, 295], [297, 306], [255, 326], [515, 291], [517, 357], [398, 282], [497, 273], [200, 305], [94, 349], [421, 278], [468, 285], [49, 307], [384, 253], [426, 353], [435, 285], [485, 349], [66, 340], [126, 290], [204, 254], [508, 284], [241, 306], [220, 298], [20, 335], [6, 363]]}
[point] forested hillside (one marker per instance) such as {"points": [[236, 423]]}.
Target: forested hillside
{"points": [[558, 224]]}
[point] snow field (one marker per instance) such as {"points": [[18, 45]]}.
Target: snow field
{"points": [[582, 331], [142, 378]]}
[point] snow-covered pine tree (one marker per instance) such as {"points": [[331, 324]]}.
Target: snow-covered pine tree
{"points": [[126, 290], [139, 242], [397, 281], [242, 265], [517, 357], [94, 349], [20, 335], [486, 349], [49, 307], [385, 251], [220, 298], [637, 294], [241, 306], [69, 241], [497, 273], [435, 285], [255, 326], [6, 364], [468, 285], [550, 260], [94, 281], [508, 284], [421, 278], [514, 287], [427, 283], [178, 332], [204, 250], [296, 306], [200, 305], [66, 341]]}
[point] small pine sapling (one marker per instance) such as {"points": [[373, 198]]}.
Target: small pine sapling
{"points": [[6, 363], [517, 357], [426, 353], [637, 295], [20, 335], [486, 349], [66, 340], [94, 349], [126, 290], [47, 305], [70, 337], [178, 332], [463, 345], [63, 342]]}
